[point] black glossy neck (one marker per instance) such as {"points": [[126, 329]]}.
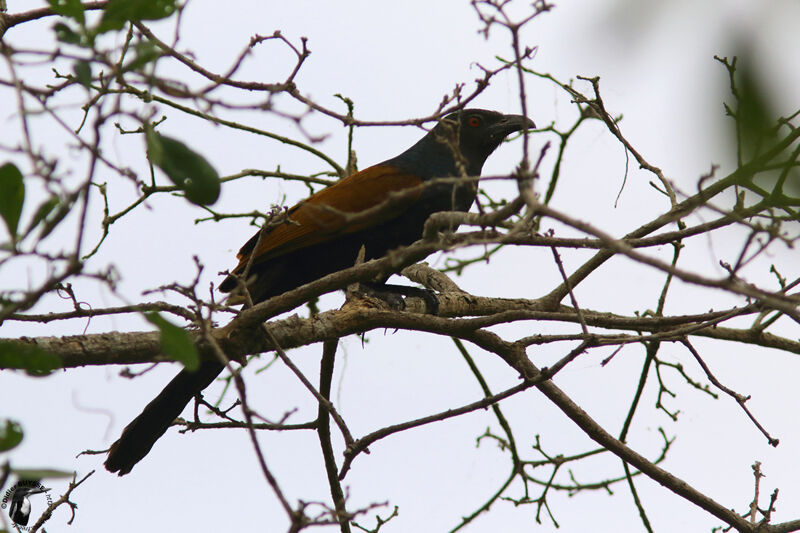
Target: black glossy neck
{"points": [[432, 157]]}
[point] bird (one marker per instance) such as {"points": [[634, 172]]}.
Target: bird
{"points": [[20, 511], [325, 233]]}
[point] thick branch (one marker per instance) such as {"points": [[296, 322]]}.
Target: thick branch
{"points": [[292, 332]]}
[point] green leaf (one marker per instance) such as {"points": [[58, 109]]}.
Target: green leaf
{"points": [[54, 219], [10, 435], [65, 34], [41, 214], [12, 195], [184, 167], [118, 12], [755, 117], [83, 73], [146, 52], [69, 8], [40, 473], [32, 359], [175, 342]]}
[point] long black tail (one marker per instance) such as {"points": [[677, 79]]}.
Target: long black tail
{"points": [[140, 435]]}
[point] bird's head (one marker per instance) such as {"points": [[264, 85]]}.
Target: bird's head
{"points": [[22, 492], [479, 133]]}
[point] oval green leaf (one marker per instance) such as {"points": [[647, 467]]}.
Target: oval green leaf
{"points": [[41, 214], [65, 34], [10, 435], [54, 218], [175, 342], [32, 359], [12, 196], [119, 12], [83, 72], [40, 473], [69, 8], [184, 167]]}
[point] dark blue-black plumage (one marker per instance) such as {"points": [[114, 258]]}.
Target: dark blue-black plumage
{"points": [[325, 233]]}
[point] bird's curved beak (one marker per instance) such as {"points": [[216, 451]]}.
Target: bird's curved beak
{"points": [[510, 124]]}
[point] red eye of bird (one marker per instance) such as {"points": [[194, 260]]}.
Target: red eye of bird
{"points": [[474, 122]]}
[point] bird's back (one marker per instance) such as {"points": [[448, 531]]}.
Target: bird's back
{"points": [[324, 233]]}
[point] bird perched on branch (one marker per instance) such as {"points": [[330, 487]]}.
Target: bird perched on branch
{"points": [[20, 511], [380, 208]]}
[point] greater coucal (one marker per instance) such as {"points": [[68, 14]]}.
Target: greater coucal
{"points": [[324, 233]]}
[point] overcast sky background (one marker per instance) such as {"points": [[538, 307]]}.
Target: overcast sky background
{"points": [[396, 60]]}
